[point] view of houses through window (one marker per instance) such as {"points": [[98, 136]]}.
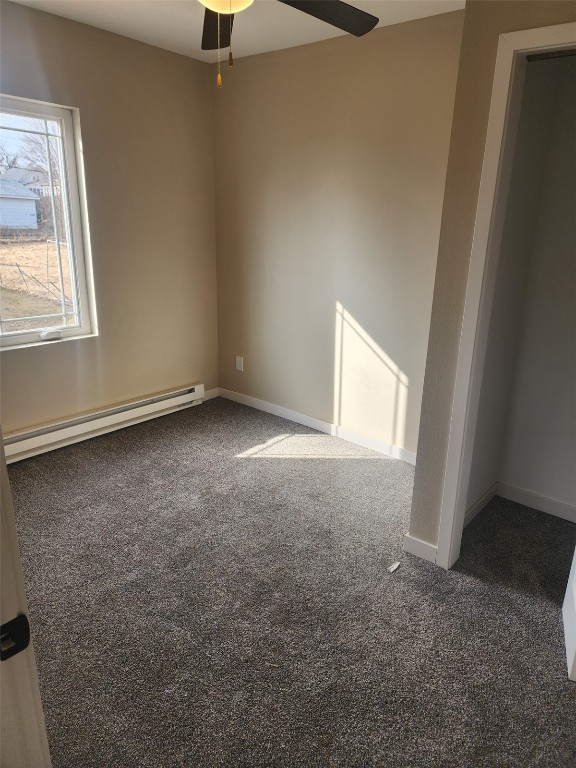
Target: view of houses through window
{"points": [[38, 246]]}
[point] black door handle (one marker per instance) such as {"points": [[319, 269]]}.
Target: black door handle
{"points": [[14, 637]]}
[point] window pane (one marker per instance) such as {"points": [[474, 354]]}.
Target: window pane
{"points": [[8, 120], [30, 280], [36, 272], [23, 326]]}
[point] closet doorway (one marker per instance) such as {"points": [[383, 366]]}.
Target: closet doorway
{"points": [[512, 428]]}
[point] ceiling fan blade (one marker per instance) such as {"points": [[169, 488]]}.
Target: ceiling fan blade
{"points": [[210, 30], [337, 13]]}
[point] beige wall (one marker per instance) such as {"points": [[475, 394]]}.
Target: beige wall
{"points": [[484, 22], [330, 169], [146, 118]]}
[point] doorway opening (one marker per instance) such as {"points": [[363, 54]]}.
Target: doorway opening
{"points": [[525, 443], [507, 221]]}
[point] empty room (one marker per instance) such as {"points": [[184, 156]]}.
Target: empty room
{"points": [[287, 366]]}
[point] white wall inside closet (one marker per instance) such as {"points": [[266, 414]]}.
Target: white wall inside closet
{"points": [[526, 433]]}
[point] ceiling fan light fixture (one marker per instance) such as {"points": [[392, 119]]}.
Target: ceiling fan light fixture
{"points": [[226, 6]]}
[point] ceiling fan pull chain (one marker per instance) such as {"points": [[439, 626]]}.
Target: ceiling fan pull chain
{"points": [[219, 77], [230, 57]]}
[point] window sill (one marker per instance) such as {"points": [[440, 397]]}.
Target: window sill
{"points": [[48, 342]]}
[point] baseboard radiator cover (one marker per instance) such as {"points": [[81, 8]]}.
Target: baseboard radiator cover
{"points": [[22, 445]]}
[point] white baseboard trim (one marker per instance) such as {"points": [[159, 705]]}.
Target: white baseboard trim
{"points": [[376, 445], [534, 500], [23, 445], [210, 394], [420, 548], [479, 505], [277, 410], [322, 426]]}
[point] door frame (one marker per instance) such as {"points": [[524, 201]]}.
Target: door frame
{"points": [[501, 136], [569, 619], [22, 728]]}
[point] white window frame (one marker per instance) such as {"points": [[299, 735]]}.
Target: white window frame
{"points": [[78, 228]]}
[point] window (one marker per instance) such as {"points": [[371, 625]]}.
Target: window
{"points": [[45, 275]]}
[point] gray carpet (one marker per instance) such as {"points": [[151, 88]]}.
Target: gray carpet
{"points": [[195, 607]]}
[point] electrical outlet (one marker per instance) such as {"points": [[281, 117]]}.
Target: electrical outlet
{"points": [[239, 363]]}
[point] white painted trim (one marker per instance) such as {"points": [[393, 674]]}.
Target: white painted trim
{"points": [[22, 445], [277, 410], [210, 394], [479, 505], [74, 196], [536, 501], [521, 496], [496, 171], [22, 729], [322, 426], [420, 548], [569, 617], [376, 445]]}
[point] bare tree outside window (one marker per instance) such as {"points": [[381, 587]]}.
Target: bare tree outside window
{"points": [[41, 154], [7, 159]]}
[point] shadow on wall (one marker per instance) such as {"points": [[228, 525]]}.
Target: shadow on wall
{"points": [[370, 390]]}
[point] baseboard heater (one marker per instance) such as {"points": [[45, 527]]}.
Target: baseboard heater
{"points": [[22, 445]]}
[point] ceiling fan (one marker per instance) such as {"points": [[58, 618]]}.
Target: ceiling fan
{"points": [[217, 33]]}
